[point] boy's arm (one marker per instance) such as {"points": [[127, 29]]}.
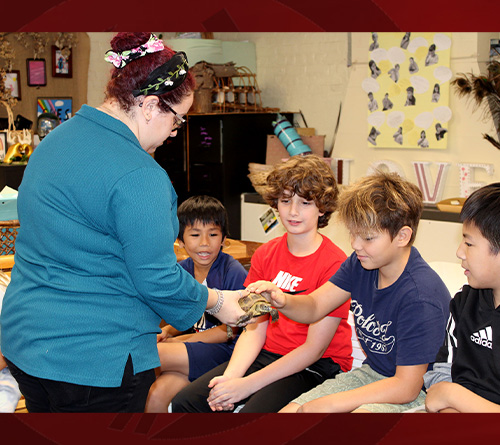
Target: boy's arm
{"points": [[403, 387], [318, 339], [217, 334], [303, 308], [452, 396], [247, 348]]}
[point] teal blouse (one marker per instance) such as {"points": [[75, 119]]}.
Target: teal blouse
{"points": [[95, 270]]}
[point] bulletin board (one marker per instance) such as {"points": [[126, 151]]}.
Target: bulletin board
{"points": [[407, 89]]}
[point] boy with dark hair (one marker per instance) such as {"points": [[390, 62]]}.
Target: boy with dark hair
{"points": [[185, 356], [399, 303], [274, 362], [468, 360]]}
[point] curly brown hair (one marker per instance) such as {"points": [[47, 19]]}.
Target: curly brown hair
{"points": [[381, 201], [308, 177]]}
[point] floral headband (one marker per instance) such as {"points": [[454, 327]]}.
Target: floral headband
{"points": [[120, 59], [166, 77]]}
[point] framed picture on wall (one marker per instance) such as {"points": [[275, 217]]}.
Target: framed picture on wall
{"points": [[62, 107], [13, 83], [3, 144], [36, 72], [61, 63]]}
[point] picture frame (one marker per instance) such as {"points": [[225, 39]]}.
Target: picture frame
{"points": [[62, 107], [61, 66], [13, 82], [37, 76], [3, 144], [495, 50]]}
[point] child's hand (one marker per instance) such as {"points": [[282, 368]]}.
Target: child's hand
{"points": [[212, 384], [165, 334], [226, 392], [269, 291], [440, 396]]}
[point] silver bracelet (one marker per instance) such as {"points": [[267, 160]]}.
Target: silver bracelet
{"points": [[218, 305]]}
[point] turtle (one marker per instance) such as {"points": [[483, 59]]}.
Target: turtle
{"points": [[254, 305]]}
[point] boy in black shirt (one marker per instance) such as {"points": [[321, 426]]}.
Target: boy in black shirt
{"points": [[472, 344]]}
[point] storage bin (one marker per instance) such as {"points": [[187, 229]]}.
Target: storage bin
{"points": [[8, 235], [8, 208]]}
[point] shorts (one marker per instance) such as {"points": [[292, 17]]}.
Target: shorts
{"points": [[357, 378], [203, 357]]}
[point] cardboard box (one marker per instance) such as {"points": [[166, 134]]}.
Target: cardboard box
{"points": [[305, 131], [276, 151]]}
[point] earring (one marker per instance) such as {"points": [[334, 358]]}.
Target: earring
{"points": [[147, 121]]}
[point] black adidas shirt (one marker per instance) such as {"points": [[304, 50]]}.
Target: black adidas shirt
{"points": [[472, 342]]}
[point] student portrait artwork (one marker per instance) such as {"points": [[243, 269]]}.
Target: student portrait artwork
{"points": [[62, 62], [407, 83]]}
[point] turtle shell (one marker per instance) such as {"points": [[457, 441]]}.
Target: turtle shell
{"points": [[254, 305]]}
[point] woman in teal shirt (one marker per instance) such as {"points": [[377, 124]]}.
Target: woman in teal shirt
{"points": [[95, 270]]}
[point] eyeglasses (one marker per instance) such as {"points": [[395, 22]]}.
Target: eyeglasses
{"points": [[179, 121]]}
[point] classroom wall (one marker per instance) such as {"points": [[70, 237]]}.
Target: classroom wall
{"points": [[316, 72], [465, 129], [74, 87]]}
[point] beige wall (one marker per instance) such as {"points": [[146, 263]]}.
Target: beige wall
{"points": [[295, 71], [309, 72]]}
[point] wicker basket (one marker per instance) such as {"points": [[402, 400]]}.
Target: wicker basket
{"points": [[256, 168], [258, 176], [8, 234]]}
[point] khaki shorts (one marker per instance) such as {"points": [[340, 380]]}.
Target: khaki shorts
{"points": [[355, 379]]}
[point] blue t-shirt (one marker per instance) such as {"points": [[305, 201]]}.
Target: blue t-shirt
{"points": [[225, 273], [402, 324]]}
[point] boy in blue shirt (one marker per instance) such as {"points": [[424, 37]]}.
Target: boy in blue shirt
{"points": [[399, 303], [185, 356], [466, 367]]}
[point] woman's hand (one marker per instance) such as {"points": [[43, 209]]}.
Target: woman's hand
{"points": [[231, 311], [269, 291]]}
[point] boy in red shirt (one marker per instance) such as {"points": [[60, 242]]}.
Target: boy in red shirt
{"points": [[273, 362]]}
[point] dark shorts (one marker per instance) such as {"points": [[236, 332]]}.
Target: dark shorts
{"points": [[203, 357]]}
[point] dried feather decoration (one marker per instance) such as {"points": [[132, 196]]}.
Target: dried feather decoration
{"points": [[65, 41], [6, 51], [39, 42], [484, 91]]}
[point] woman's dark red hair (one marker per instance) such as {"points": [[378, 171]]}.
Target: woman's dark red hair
{"points": [[132, 75]]}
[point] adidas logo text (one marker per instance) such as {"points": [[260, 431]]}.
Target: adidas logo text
{"points": [[483, 337]]}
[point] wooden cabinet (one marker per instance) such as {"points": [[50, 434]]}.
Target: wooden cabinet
{"points": [[211, 155], [11, 175]]}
